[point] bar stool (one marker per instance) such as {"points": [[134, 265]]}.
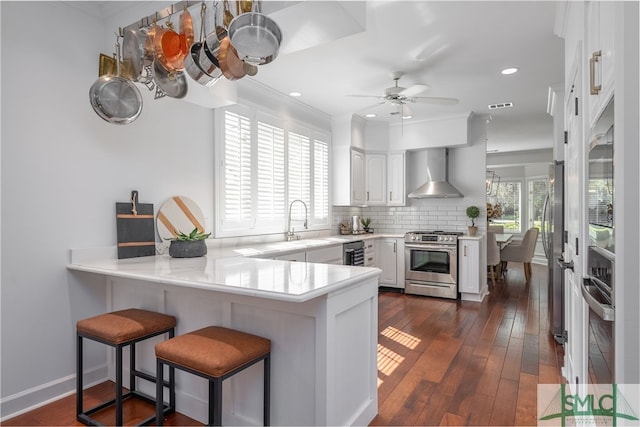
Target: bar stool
{"points": [[214, 353], [119, 329]]}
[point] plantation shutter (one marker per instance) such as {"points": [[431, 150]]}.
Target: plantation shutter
{"points": [[237, 168], [270, 175], [299, 172]]}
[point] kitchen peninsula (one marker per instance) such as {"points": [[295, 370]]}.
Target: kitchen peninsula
{"points": [[321, 319]]}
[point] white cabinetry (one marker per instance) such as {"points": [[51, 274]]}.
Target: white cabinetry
{"points": [[295, 256], [369, 253], [396, 179], [599, 35], [390, 259], [376, 178], [348, 177], [357, 177], [330, 255], [471, 285]]}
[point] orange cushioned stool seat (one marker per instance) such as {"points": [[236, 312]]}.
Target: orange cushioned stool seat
{"points": [[120, 329], [214, 353]]}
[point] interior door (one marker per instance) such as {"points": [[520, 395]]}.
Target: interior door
{"points": [[576, 310]]}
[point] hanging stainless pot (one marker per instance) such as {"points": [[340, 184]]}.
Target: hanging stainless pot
{"points": [[256, 37], [197, 65], [173, 84], [116, 99], [137, 52]]}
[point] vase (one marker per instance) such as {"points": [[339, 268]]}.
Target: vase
{"points": [[473, 230], [187, 248]]}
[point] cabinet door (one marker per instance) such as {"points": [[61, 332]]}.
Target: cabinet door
{"points": [[376, 181], [369, 253], [387, 250], [599, 35], [396, 179], [357, 178], [469, 266], [296, 256]]}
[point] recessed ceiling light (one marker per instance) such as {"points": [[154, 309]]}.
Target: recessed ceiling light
{"points": [[370, 115], [295, 94], [407, 117], [508, 71]]}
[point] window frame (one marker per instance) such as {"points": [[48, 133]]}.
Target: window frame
{"points": [[256, 114], [520, 204]]}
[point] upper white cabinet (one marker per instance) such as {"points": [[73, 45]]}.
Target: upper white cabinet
{"points": [[385, 179], [376, 178], [599, 39], [396, 178], [348, 176], [357, 178]]}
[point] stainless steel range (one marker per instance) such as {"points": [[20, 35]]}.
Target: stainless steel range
{"points": [[431, 263]]}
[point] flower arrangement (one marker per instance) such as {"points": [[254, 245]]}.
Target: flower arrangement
{"points": [[494, 211]]}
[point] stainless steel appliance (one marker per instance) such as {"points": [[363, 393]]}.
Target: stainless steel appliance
{"points": [[553, 243], [353, 253], [598, 290], [600, 200], [431, 263]]}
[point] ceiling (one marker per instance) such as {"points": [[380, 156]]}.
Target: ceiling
{"points": [[458, 48]]}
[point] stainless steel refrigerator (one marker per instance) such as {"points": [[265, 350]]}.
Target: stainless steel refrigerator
{"points": [[553, 243]]}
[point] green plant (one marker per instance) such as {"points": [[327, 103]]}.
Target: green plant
{"points": [[194, 235], [366, 222], [473, 212]]}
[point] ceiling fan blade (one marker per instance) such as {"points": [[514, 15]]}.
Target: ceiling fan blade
{"points": [[434, 100], [414, 90]]}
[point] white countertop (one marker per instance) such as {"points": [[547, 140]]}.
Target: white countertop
{"points": [[234, 270]]}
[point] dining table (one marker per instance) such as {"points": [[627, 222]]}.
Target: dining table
{"points": [[503, 239]]}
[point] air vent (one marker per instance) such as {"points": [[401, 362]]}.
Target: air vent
{"points": [[501, 105]]}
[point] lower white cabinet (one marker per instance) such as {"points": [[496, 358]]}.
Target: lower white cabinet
{"points": [[390, 259], [369, 253], [470, 283], [295, 256], [330, 255]]}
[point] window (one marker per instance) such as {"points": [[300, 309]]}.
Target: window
{"points": [[265, 167], [537, 194], [509, 197]]}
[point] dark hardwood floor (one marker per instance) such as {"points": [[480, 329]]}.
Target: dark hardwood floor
{"points": [[440, 362]]}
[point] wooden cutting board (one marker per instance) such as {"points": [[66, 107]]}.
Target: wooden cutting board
{"points": [[135, 228]]}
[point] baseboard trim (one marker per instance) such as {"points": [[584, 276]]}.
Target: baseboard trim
{"points": [[36, 397]]}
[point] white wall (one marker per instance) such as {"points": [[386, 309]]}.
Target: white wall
{"points": [[63, 168]]}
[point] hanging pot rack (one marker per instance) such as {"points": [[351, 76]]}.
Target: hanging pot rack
{"points": [[160, 15]]}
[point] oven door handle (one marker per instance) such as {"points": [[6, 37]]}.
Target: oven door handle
{"points": [[604, 311], [430, 247]]}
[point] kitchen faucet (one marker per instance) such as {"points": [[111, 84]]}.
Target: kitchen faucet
{"points": [[290, 234]]}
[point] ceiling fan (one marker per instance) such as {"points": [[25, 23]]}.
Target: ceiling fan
{"points": [[399, 96]]}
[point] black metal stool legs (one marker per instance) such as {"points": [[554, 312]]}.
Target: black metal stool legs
{"points": [[267, 390]]}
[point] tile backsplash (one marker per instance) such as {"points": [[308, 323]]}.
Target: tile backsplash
{"points": [[408, 218]]}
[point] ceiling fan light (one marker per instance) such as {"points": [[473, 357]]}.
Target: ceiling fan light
{"points": [[510, 70], [407, 117]]}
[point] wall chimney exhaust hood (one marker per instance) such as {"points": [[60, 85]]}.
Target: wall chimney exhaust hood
{"points": [[437, 185]]}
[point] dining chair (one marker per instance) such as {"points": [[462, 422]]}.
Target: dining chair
{"points": [[496, 228], [521, 252], [493, 255]]}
